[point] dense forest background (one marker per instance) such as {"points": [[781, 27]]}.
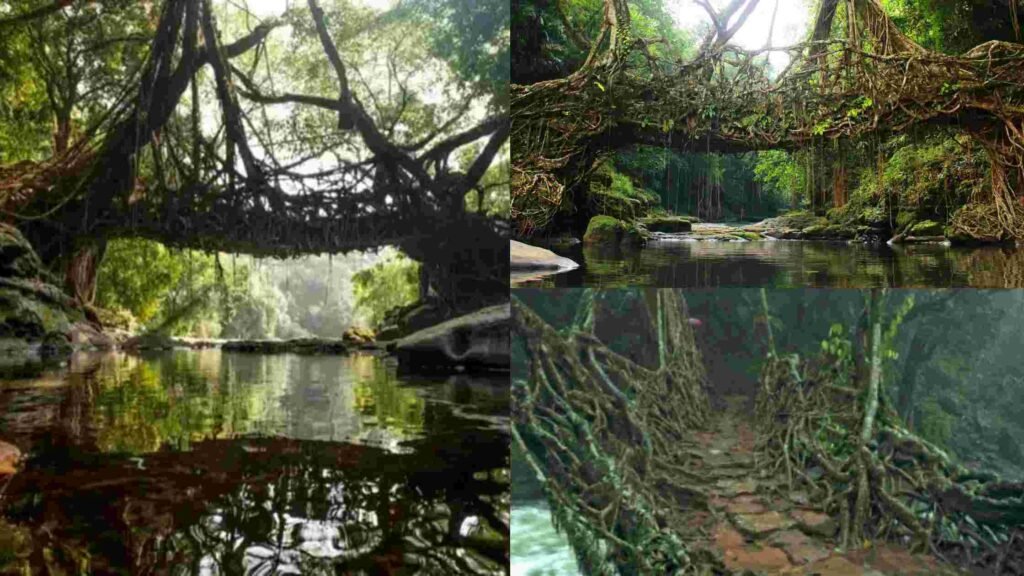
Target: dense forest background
{"points": [[425, 69], [951, 370], [914, 176]]}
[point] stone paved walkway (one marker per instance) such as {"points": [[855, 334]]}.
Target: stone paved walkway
{"points": [[759, 527]]}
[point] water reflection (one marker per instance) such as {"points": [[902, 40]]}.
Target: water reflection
{"points": [[210, 463], [790, 264]]}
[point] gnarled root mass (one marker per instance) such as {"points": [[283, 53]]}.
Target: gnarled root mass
{"points": [[607, 437], [881, 480]]}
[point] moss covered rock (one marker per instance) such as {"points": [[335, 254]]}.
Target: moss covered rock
{"points": [[926, 228], [668, 224], [17, 259], [609, 231], [32, 310]]}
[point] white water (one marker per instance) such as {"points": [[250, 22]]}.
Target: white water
{"points": [[537, 549]]}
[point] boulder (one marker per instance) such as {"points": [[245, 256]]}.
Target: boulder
{"points": [[926, 228], [84, 335], [17, 259], [524, 257], [358, 336], [668, 224], [606, 230], [32, 310], [476, 341], [26, 316]]}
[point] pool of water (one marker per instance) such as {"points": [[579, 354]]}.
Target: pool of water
{"points": [[785, 263], [203, 462]]}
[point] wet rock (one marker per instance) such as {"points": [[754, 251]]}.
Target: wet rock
{"points": [[293, 346], [926, 228], [668, 224], [9, 458], [608, 231], [527, 258], [479, 340], [815, 523], [924, 240], [761, 524], [32, 310]]}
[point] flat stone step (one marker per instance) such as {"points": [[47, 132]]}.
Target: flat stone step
{"points": [[758, 525], [800, 548], [730, 487], [814, 523]]}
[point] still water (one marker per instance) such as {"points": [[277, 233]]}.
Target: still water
{"points": [[202, 462], [785, 264]]}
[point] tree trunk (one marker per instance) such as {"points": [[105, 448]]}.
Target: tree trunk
{"points": [[81, 272]]}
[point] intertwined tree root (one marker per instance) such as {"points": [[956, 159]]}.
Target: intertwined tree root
{"points": [[608, 438], [895, 486]]}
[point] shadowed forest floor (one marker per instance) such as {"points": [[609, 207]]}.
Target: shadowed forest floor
{"points": [[758, 526]]}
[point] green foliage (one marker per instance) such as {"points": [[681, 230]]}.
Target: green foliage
{"points": [[390, 284], [934, 423], [838, 344], [136, 275], [780, 173], [952, 26], [473, 37]]}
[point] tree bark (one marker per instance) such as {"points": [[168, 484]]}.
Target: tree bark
{"points": [[80, 275]]}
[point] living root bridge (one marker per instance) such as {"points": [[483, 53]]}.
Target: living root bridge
{"points": [[145, 171], [607, 436], [872, 79]]}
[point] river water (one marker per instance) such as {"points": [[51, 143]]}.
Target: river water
{"points": [[537, 549], [203, 462], [788, 263]]}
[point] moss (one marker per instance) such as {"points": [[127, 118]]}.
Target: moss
{"points": [[30, 319], [603, 230], [927, 228], [800, 219], [744, 234], [904, 219], [15, 547], [614, 194], [669, 224], [815, 230], [608, 230]]}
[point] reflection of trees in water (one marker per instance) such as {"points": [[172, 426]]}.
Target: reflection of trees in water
{"points": [[107, 479], [278, 506], [796, 263]]}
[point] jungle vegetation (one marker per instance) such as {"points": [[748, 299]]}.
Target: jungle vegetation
{"points": [[699, 146]]}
